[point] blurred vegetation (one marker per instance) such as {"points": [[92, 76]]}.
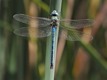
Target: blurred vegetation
{"points": [[24, 59]]}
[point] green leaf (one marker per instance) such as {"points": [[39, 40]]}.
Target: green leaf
{"points": [[95, 55], [42, 5]]}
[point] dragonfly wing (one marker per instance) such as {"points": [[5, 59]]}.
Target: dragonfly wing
{"points": [[33, 32], [43, 22], [74, 35], [77, 24]]}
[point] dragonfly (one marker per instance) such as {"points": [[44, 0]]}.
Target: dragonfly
{"points": [[47, 27]]}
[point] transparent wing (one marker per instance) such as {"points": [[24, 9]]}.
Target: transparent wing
{"points": [[43, 22], [77, 24], [74, 35], [33, 32]]}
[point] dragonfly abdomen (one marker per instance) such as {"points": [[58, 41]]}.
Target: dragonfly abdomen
{"points": [[53, 45]]}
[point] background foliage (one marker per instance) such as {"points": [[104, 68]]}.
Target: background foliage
{"points": [[24, 59]]}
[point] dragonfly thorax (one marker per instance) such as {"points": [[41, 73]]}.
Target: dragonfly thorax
{"points": [[54, 18], [54, 22]]}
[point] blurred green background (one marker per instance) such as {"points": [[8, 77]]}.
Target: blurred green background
{"points": [[22, 58]]}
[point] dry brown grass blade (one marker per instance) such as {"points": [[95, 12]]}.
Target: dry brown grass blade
{"points": [[81, 63], [61, 43], [100, 18], [32, 45], [82, 59]]}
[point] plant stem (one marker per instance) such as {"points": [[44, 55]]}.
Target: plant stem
{"points": [[49, 73]]}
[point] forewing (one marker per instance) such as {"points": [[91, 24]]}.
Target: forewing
{"points": [[76, 24], [43, 22]]}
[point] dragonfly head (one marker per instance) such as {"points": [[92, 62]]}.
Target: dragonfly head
{"points": [[54, 13]]}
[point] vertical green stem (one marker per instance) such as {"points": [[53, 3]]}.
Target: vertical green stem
{"points": [[49, 73]]}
